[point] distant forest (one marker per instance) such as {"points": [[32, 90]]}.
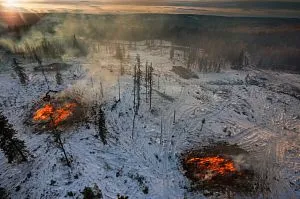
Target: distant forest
{"points": [[272, 43]]}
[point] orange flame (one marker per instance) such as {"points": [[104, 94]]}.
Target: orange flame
{"points": [[49, 113], [44, 113], [215, 165]]}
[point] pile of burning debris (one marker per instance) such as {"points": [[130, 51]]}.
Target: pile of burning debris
{"points": [[52, 112], [220, 168]]}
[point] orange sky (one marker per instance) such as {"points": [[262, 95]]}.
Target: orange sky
{"points": [[98, 7]]}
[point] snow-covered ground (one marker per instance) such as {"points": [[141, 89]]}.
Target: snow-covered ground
{"points": [[261, 117]]}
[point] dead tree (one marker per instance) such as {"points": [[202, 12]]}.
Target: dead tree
{"points": [[241, 61], [146, 81], [119, 88], [13, 148], [78, 45], [57, 136], [122, 70], [20, 71], [202, 123], [174, 117], [43, 71], [133, 126], [75, 42], [150, 79], [172, 53], [138, 83], [161, 129], [119, 52], [101, 89], [134, 89], [158, 77]]}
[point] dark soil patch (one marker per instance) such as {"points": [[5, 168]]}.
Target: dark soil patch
{"points": [[214, 176], [52, 67], [184, 72], [165, 96]]}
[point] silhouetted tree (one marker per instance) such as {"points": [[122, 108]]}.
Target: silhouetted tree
{"points": [[202, 123], [119, 52], [119, 89], [146, 81], [134, 88], [174, 117], [122, 70], [78, 45], [150, 79], [92, 193], [58, 78], [242, 60], [137, 77], [57, 136], [137, 85], [20, 71], [13, 148], [121, 197], [101, 126], [3, 193], [75, 42], [172, 52], [39, 60]]}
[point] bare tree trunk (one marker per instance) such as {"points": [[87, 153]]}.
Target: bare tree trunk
{"points": [[134, 89], [92, 81], [151, 84], [58, 137], [122, 71], [158, 76], [133, 126], [119, 89], [43, 71], [161, 129], [101, 89], [138, 84], [146, 80], [202, 123], [174, 117]]}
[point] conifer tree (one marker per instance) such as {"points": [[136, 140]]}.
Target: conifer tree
{"points": [[100, 122], [13, 148]]}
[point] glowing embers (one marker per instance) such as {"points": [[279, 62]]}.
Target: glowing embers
{"points": [[206, 168], [55, 115], [220, 168]]}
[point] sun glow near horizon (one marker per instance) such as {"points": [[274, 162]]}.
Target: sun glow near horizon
{"points": [[10, 3], [108, 7]]}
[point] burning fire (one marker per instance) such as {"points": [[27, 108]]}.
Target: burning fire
{"points": [[54, 115], [209, 167]]}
